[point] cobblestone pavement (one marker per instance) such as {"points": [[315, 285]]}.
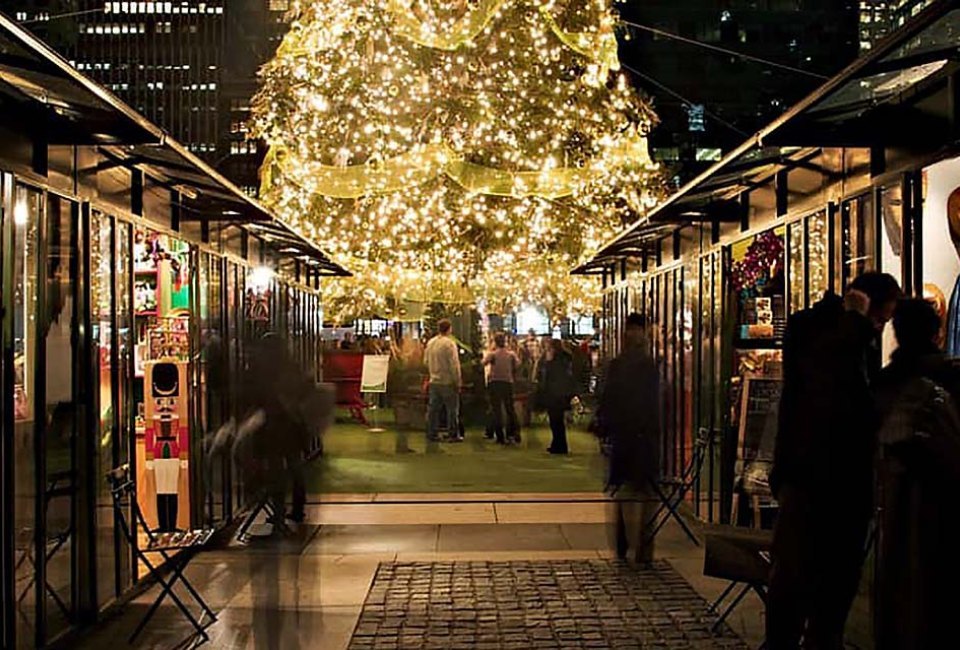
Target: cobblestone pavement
{"points": [[534, 605]]}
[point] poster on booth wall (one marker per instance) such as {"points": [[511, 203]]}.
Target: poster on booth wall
{"points": [[759, 414], [373, 378]]}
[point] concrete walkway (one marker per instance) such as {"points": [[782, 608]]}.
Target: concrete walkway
{"points": [[309, 592]]}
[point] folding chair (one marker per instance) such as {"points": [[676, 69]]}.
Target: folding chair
{"points": [[176, 549], [742, 556], [266, 505], [673, 490], [59, 484]]}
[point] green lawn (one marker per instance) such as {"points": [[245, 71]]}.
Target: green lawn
{"points": [[357, 460]]}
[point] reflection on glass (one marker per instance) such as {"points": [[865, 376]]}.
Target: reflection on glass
{"points": [[125, 348], [61, 271], [892, 242], [101, 305], [796, 268], [24, 280], [817, 251], [863, 237]]}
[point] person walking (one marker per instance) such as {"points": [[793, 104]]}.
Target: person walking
{"points": [[918, 518], [628, 415], [502, 365], [822, 474], [555, 388], [443, 391]]}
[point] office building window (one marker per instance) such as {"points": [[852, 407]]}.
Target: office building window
{"points": [[666, 154], [709, 154]]}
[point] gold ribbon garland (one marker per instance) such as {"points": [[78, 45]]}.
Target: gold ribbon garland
{"points": [[599, 46], [426, 162]]}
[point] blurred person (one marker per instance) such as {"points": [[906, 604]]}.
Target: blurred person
{"points": [[628, 417], [293, 412], [532, 349], [822, 475], [919, 518], [502, 365], [555, 389], [442, 358]]}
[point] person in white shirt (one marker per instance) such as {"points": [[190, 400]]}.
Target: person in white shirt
{"points": [[443, 363]]}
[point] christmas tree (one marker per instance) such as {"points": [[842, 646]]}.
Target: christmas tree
{"points": [[454, 150]]}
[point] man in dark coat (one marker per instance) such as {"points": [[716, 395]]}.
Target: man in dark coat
{"points": [[629, 417], [823, 463], [919, 521]]}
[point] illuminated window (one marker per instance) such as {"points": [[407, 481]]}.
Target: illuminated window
{"points": [[666, 154], [709, 154]]}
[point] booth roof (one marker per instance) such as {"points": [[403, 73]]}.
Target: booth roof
{"points": [[880, 100], [43, 95]]}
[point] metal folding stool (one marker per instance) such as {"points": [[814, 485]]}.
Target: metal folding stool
{"points": [[176, 550], [59, 484], [741, 556], [677, 489]]}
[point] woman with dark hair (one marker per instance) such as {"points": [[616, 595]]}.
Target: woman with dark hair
{"points": [[555, 388]]}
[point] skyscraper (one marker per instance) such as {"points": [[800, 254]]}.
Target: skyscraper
{"points": [[880, 17], [710, 100], [188, 65]]}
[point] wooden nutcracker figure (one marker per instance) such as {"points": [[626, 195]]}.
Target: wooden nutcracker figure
{"points": [[167, 434]]}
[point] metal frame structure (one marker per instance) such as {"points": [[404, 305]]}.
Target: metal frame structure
{"points": [[851, 149], [75, 147]]}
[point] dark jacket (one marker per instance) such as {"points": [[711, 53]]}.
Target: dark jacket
{"points": [[555, 383], [919, 521], [629, 415], [827, 419]]}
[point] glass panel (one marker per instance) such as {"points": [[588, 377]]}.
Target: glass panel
{"points": [[817, 252], [891, 247], [213, 375], [61, 268], [863, 236], [26, 223], [688, 331], [838, 243], [941, 35], [797, 295], [102, 284], [126, 409]]}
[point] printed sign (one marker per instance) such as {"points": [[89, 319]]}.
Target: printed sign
{"points": [[373, 378], [758, 431]]}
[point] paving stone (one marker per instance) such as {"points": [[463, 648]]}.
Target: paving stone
{"points": [[535, 605]]}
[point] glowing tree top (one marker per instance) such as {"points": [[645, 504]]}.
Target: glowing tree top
{"points": [[454, 149]]}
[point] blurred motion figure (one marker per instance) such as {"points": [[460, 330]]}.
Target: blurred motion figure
{"points": [[628, 417]]}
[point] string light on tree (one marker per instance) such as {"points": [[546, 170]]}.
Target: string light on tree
{"points": [[455, 150]]}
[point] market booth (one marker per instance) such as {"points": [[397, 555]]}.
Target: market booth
{"points": [[133, 277], [864, 174]]}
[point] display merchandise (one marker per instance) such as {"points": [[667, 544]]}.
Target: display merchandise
{"points": [[758, 278], [161, 360], [166, 437]]}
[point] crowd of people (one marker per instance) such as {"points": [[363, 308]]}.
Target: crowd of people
{"points": [[546, 366]]}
